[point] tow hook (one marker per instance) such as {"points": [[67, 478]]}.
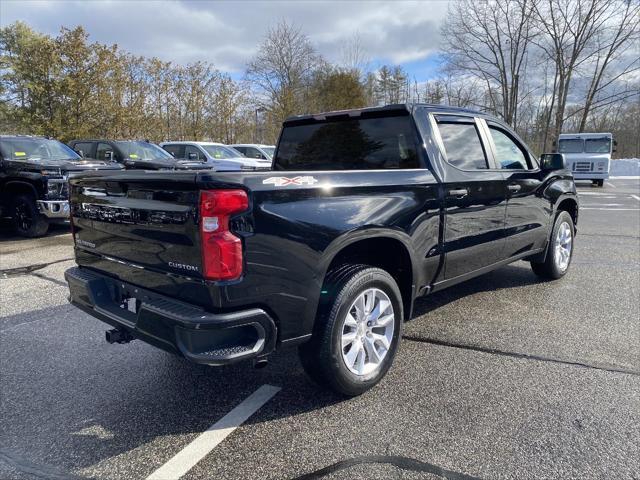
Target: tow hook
{"points": [[118, 336]]}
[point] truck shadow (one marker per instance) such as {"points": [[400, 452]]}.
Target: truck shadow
{"points": [[510, 276]]}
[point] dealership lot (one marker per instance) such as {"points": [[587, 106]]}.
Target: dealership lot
{"points": [[504, 376]]}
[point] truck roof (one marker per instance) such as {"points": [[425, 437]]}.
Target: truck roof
{"points": [[585, 135], [399, 107]]}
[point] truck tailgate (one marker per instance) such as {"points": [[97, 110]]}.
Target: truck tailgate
{"points": [[145, 219]]}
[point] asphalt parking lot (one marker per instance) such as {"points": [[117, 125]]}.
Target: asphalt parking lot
{"points": [[504, 376]]}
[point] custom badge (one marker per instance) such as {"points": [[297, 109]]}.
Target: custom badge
{"points": [[285, 181]]}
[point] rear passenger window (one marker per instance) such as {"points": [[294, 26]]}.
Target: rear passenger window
{"points": [[388, 142], [463, 146]]}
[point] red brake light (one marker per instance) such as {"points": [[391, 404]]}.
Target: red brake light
{"points": [[221, 249]]}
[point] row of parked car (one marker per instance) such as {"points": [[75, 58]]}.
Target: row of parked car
{"points": [[34, 170], [177, 155]]}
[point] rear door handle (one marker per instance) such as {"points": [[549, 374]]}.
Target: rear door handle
{"points": [[514, 188], [458, 193]]}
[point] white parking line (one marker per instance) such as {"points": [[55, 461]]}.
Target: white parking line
{"points": [[605, 204], [190, 455], [636, 197], [610, 184], [614, 209]]}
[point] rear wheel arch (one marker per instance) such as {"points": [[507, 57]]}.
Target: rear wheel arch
{"points": [[389, 253]]}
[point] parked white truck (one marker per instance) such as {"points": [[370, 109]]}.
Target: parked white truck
{"points": [[587, 155]]}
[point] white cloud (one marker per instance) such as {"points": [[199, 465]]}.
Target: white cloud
{"points": [[228, 33]]}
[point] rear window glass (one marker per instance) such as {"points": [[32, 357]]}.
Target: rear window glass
{"points": [[349, 144]]}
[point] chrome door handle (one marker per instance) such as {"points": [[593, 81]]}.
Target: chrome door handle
{"points": [[514, 188], [459, 193]]}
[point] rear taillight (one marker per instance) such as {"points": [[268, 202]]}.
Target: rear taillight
{"points": [[221, 249]]}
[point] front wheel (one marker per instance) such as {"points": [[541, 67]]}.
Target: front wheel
{"points": [[357, 336], [28, 221], [559, 250]]}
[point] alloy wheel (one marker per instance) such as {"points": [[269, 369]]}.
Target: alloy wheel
{"points": [[367, 331]]}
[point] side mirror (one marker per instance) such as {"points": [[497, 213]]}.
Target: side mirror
{"points": [[615, 144], [552, 161]]}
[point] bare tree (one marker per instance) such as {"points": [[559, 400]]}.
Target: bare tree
{"points": [[282, 70], [355, 57], [491, 41], [568, 28], [618, 37]]}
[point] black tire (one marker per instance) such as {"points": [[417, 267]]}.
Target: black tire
{"points": [[600, 183], [322, 356], [550, 268], [27, 220]]}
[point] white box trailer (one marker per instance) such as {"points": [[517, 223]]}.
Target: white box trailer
{"points": [[588, 155]]}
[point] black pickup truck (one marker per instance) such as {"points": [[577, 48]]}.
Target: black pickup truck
{"points": [[365, 211], [33, 181]]}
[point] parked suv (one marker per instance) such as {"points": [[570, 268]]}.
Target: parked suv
{"points": [[33, 181], [133, 154], [220, 156], [254, 150]]}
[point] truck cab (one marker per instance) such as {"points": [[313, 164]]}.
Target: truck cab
{"points": [[588, 155]]}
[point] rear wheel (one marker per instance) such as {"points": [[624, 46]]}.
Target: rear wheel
{"points": [[27, 219], [599, 183], [559, 250], [358, 331]]}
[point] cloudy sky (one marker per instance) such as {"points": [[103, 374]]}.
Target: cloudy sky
{"points": [[227, 33]]}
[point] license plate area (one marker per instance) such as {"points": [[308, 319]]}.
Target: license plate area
{"points": [[128, 299], [130, 304]]}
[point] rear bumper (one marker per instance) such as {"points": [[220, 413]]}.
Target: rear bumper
{"points": [[54, 208], [187, 330]]}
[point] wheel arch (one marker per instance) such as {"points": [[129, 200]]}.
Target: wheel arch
{"points": [[388, 250], [17, 187], [569, 204]]}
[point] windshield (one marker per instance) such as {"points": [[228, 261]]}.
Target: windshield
{"points": [[220, 151], [36, 149], [143, 151], [269, 150], [597, 145], [570, 145]]}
